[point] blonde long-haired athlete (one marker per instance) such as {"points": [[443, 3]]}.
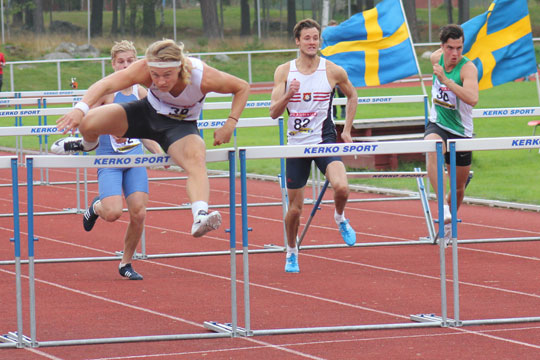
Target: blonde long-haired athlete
{"points": [[177, 86]]}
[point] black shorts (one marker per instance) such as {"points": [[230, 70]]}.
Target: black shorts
{"points": [[298, 169], [145, 123], [463, 158]]}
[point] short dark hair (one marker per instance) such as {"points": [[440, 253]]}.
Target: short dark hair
{"points": [[451, 31], [305, 24]]}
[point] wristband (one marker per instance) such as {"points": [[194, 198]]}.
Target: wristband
{"points": [[232, 117], [83, 107]]}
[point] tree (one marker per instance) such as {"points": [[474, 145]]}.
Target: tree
{"points": [[149, 18], [96, 18], [114, 25], [39, 28], [362, 5], [464, 13], [210, 19], [132, 16], [291, 16], [449, 11], [410, 13], [122, 16], [245, 27]]}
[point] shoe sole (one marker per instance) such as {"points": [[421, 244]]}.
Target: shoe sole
{"points": [[213, 222]]}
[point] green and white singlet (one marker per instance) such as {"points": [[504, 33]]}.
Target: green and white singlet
{"points": [[447, 110]]}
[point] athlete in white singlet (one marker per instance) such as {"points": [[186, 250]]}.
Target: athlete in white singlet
{"points": [[454, 94], [178, 86], [304, 87]]}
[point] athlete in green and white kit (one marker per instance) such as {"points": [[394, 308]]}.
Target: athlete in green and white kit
{"points": [[454, 93]]}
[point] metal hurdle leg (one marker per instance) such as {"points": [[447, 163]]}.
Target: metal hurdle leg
{"points": [[31, 240], [16, 337], [425, 207], [313, 211]]}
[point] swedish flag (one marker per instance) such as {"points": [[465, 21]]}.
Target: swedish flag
{"points": [[374, 46], [500, 43]]}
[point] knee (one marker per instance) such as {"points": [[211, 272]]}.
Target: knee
{"points": [[111, 215], [341, 191], [137, 216], [294, 213]]}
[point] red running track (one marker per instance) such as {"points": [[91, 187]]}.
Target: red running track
{"points": [[336, 287]]}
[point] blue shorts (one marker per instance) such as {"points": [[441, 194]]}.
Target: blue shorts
{"points": [[112, 181]]}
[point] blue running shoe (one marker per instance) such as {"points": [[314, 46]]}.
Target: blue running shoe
{"points": [[291, 265], [347, 233]]}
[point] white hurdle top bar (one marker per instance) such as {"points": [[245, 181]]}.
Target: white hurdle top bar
{"points": [[341, 149], [115, 161], [500, 143], [5, 161]]}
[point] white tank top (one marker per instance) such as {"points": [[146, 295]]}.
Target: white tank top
{"points": [[310, 108], [187, 105]]}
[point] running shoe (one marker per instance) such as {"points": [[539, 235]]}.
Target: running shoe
{"points": [[347, 233], [128, 272], [447, 214], [205, 222], [447, 234], [69, 146], [90, 216], [291, 264]]}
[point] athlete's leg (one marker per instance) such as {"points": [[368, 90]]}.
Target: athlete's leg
{"points": [[462, 173], [106, 119], [190, 153], [136, 203], [337, 176], [292, 218]]}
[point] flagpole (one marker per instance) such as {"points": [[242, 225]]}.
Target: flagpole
{"points": [[537, 85], [414, 51]]}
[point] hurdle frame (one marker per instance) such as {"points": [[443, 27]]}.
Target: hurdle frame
{"points": [[42, 161], [266, 152], [455, 145]]}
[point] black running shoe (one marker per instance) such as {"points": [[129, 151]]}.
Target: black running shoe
{"points": [[90, 216], [128, 272]]}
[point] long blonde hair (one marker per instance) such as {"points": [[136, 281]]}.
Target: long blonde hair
{"points": [[168, 50]]}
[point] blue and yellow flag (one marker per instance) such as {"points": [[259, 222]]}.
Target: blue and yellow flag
{"points": [[373, 46], [500, 43]]}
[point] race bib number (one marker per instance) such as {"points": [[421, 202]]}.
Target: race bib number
{"points": [[123, 145]]}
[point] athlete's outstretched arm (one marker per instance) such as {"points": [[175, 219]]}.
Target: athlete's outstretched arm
{"points": [[221, 82], [137, 73]]}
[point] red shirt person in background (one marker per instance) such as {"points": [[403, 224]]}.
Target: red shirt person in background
{"points": [[2, 63]]}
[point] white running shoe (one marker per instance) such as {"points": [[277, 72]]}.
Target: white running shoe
{"points": [[69, 146], [447, 234], [205, 222], [447, 214]]}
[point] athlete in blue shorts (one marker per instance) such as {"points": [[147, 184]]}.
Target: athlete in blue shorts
{"points": [[133, 182]]}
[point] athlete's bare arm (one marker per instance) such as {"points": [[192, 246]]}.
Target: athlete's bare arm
{"points": [[221, 82], [137, 73], [338, 76], [280, 98], [469, 77]]}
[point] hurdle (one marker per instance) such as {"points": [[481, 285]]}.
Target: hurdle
{"points": [[483, 144], [45, 161], [266, 152], [15, 339]]}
